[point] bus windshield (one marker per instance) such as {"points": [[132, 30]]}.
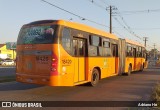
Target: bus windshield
{"points": [[36, 35]]}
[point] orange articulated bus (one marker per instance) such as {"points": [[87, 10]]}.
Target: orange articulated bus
{"points": [[132, 56], [63, 53]]}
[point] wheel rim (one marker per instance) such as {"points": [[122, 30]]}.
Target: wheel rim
{"points": [[95, 77]]}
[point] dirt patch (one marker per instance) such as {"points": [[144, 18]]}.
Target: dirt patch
{"points": [[158, 63]]}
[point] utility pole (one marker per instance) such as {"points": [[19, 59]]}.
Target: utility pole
{"points": [[110, 14], [154, 45], [110, 27], [154, 50], [145, 40]]}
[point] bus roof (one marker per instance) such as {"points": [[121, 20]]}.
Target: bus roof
{"points": [[74, 25], [81, 27], [86, 28], [134, 42]]}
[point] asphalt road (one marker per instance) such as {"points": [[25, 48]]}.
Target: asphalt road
{"points": [[7, 71], [137, 86]]}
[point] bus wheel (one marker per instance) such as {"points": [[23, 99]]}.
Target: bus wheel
{"points": [[94, 77], [129, 70]]}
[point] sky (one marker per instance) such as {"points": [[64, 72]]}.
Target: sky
{"points": [[132, 19]]}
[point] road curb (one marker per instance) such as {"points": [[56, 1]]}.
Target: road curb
{"points": [[3, 83]]}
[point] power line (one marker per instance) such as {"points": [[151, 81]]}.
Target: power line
{"points": [[127, 28], [118, 34], [124, 22], [140, 11], [145, 28], [62, 9], [140, 28], [95, 3], [104, 2], [82, 18]]}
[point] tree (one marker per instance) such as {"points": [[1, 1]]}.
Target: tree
{"points": [[153, 53]]}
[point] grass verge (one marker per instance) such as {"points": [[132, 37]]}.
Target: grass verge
{"points": [[155, 96], [156, 92], [7, 79]]}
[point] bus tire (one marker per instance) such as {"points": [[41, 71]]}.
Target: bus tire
{"points": [[129, 70], [94, 77]]}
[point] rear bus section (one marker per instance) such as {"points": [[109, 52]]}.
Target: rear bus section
{"points": [[37, 53], [132, 56]]}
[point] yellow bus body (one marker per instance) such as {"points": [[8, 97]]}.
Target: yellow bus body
{"points": [[70, 70], [135, 62]]}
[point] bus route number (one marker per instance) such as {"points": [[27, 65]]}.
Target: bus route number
{"points": [[67, 61]]}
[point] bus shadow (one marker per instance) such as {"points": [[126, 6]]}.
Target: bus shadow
{"points": [[85, 85], [17, 86], [146, 73]]}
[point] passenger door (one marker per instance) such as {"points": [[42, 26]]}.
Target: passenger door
{"points": [[79, 60], [134, 55], [115, 57]]}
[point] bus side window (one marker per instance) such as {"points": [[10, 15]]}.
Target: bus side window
{"points": [[81, 48], [95, 45], [129, 51], [75, 43], [106, 48], [66, 39]]}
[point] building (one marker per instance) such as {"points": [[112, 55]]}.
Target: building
{"points": [[7, 53]]}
